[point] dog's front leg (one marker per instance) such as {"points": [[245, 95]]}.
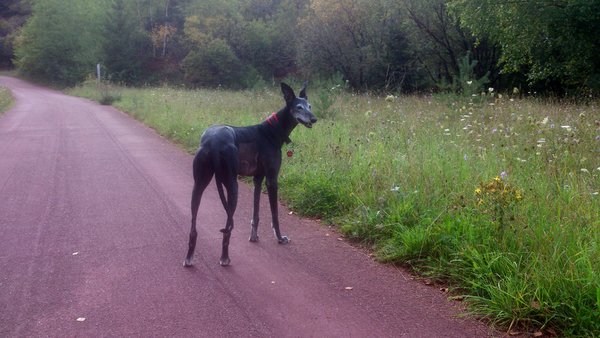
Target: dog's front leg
{"points": [[272, 190], [255, 218]]}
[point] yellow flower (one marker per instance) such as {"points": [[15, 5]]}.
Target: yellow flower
{"points": [[497, 179], [477, 191], [518, 195]]}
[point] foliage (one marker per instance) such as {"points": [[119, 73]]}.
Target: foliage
{"points": [[393, 46], [13, 14], [124, 44], [400, 174], [362, 40], [213, 65], [60, 41], [553, 42]]}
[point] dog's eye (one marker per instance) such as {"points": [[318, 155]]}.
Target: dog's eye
{"points": [[309, 106], [299, 107]]}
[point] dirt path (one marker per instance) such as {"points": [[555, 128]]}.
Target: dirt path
{"points": [[94, 218]]}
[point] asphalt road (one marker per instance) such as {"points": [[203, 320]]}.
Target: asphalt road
{"points": [[94, 219]]}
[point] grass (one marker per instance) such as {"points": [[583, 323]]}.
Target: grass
{"points": [[6, 99], [497, 196]]}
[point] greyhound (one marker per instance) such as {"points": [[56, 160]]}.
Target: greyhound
{"points": [[227, 152]]}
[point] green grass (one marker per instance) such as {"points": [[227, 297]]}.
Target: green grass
{"points": [[6, 99], [400, 175]]}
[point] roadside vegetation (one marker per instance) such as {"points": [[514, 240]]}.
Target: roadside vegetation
{"points": [[497, 195], [6, 99]]}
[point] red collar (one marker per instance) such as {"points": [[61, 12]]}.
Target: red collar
{"points": [[271, 118]]}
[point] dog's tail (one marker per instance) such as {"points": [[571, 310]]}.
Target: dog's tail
{"points": [[219, 182]]}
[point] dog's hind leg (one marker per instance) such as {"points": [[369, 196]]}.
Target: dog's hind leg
{"points": [[228, 178], [203, 173], [255, 218]]}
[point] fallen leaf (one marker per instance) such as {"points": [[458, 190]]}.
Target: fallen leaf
{"points": [[348, 288], [428, 282], [458, 298], [327, 235], [75, 253], [272, 282], [340, 239], [81, 319], [538, 334], [291, 213], [444, 289], [514, 333], [535, 305]]}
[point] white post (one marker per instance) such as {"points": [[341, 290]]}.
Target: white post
{"points": [[98, 72]]}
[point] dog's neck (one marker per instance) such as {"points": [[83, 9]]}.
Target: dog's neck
{"points": [[281, 124]]}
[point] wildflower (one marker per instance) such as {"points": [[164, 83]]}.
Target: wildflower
{"points": [[518, 195], [584, 170], [497, 179], [395, 188], [503, 175], [490, 89], [568, 128], [545, 120], [465, 157], [469, 82], [478, 191], [390, 98]]}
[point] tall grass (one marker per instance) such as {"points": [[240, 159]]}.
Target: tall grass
{"points": [[6, 99], [497, 196]]}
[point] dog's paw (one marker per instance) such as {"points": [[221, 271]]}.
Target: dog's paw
{"points": [[283, 240], [187, 263], [253, 238], [224, 261]]}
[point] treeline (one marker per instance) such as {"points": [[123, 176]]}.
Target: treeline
{"points": [[408, 45]]}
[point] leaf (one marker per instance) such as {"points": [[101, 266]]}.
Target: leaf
{"points": [[81, 319], [348, 288]]}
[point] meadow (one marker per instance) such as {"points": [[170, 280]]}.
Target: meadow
{"points": [[495, 195]]}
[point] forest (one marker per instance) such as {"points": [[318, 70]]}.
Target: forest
{"points": [[462, 46]]}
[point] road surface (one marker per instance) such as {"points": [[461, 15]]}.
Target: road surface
{"points": [[94, 221]]}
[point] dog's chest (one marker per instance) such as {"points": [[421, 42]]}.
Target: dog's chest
{"points": [[248, 159]]}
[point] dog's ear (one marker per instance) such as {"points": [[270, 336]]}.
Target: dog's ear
{"points": [[288, 93], [303, 92]]}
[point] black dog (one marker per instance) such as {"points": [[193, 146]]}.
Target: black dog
{"points": [[227, 152]]}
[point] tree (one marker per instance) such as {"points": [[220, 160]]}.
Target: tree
{"points": [[554, 42], [213, 65], [440, 44], [13, 14], [61, 40], [360, 39], [125, 44]]}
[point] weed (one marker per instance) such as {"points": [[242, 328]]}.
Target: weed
{"points": [[6, 99]]}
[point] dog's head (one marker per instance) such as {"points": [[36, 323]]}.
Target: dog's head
{"points": [[298, 105]]}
